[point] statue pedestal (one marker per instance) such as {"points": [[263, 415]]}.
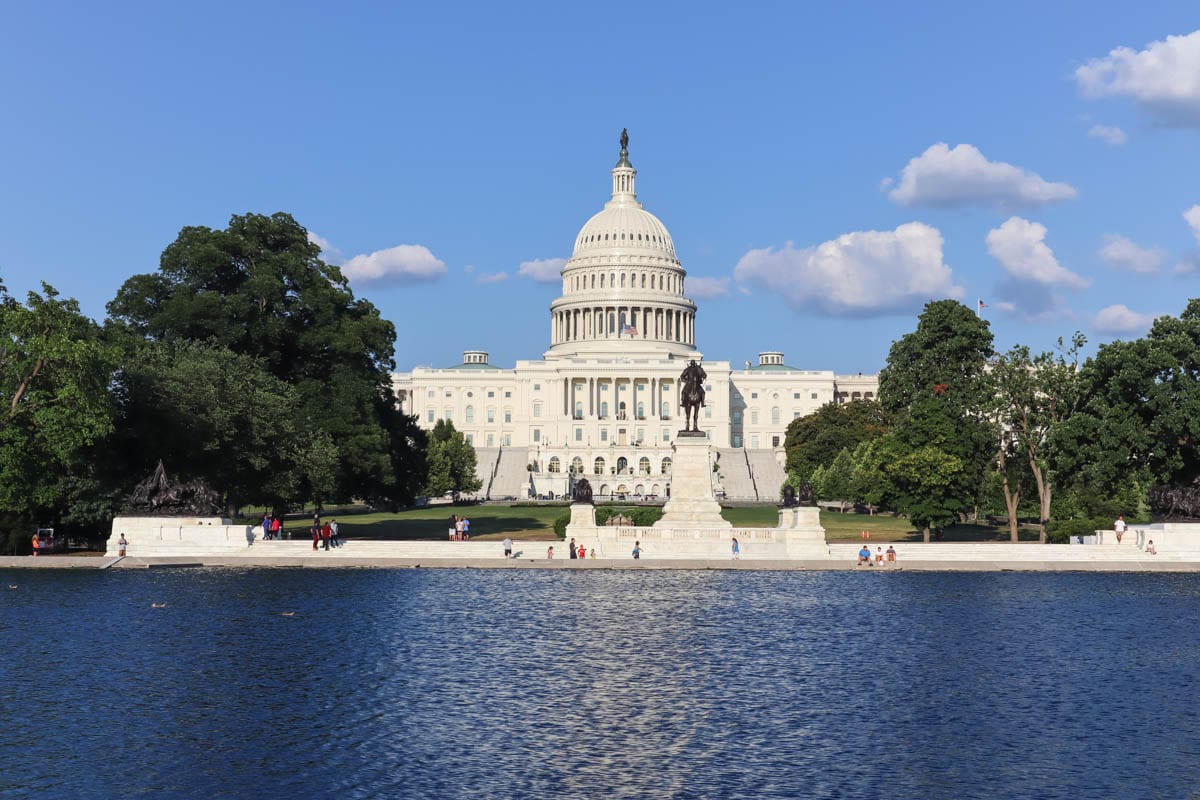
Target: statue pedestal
{"points": [[692, 504], [802, 533], [583, 515]]}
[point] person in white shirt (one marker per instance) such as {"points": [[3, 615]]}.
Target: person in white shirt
{"points": [[1150, 548], [507, 547], [1119, 527]]}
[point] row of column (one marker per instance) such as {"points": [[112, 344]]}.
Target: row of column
{"points": [[653, 392], [608, 322]]}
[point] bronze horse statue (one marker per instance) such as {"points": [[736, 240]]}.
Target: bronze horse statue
{"points": [[691, 395]]}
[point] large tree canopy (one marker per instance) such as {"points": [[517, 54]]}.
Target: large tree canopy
{"points": [[260, 289], [1138, 414], [816, 439], [55, 373]]}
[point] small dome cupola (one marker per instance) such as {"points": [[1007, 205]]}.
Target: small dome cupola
{"points": [[624, 175]]}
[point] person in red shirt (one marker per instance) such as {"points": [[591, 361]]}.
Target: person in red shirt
{"points": [[326, 535], [582, 551], [316, 534]]}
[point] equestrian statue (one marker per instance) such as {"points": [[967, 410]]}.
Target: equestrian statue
{"points": [[691, 395]]}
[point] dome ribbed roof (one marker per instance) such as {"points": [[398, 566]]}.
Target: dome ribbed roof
{"points": [[624, 227]]}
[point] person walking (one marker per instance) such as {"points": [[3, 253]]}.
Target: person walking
{"points": [[276, 529], [507, 547], [326, 535], [316, 535], [737, 550], [266, 525], [637, 551], [571, 549], [1119, 527]]}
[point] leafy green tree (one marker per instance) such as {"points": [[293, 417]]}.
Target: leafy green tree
{"points": [[212, 414], [818, 437], [869, 483], [927, 482], [451, 462], [55, 371], [260, 289], [1030, 397], [1137, 420], [935, 384], [839, 479]]}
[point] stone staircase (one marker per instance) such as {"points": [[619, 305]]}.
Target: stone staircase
{"points": [[767, 473], [735, 474], [511, 478], [486, 459]]}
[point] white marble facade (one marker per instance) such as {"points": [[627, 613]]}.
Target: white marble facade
{"points": [[604, 397]]}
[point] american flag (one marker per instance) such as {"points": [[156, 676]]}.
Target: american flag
{"points": [[629, 330]]}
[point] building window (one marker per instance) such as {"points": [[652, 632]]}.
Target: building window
{"points": [[604, 409], [737, 440], [598, 466], [666, 434], [578, 409], [469, 416], [537, 387], [795, 395], [753, 395], [430, 394], [554, 464], [508, 394], [577, 465], [666, 410], [579, 434], [774, 441], [622, 465], [814, 395], [644, 465], [666, 465], [491, 415], [429, 415], [604, 434], [491, 394], [537, 409], [641, 435], [753, 417], [508, 415], [449, 393], [737, 417], [754, 442], [491, 440], [537, 434], [508, 440], [795, 415], [708, 412], [641, 410], [449, 415], [470, 438], [775, 415]]}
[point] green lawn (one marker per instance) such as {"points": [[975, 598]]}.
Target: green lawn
{"points": [[494, 522]]}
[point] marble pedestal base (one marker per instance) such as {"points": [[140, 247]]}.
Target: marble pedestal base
{"points": [[692, 504]]}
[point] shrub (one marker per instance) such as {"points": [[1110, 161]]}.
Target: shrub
{"points": [[560, 525], [1060, 531]]}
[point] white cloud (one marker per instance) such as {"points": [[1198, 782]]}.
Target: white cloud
{"points": [[1191, 259], [542, 270], [1110, 134], [493, 278], [1006, 306], [945, 177], [864, 273], [1119, 252], [707, 287], [329, 253], [1164, 78], [404, 263], [1019, 245], [1118, 319]]}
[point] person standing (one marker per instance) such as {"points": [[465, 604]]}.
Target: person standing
{"points": [[121, 545], [266, 523], [550, 552], [466, 529], [37, 544], [507, 547], [571, 549], [637, 551], [582, 551], [326, 535], [335, 540], [1119, 527], [316, 535], [458, 529], [276, 529], [453, 526], [737, 550]]}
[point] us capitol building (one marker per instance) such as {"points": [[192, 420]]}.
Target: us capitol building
{"points": [[603, 400]]}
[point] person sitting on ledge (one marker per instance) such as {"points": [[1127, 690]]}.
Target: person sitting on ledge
{"points": [[891, 553], [1150, 548], [864, 555]]}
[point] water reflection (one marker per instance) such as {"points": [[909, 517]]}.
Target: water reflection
{"points": [[432, 683]]}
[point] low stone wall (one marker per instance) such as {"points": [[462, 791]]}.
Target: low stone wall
{"points": [[179, 536]]}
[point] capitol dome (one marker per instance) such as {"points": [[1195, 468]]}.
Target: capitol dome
{"points": [[623, 285]]}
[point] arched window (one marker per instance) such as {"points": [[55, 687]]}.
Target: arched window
{"points": [[643, 280], [666, 410], [639, 490], [622, 280], [602, 281], [554, 464], [469, 416], [578, 409], [666, 465], [598, 467], [644, 465], [612, 279], [622, 465], [775, 415], [577, 465], [593, 281]]}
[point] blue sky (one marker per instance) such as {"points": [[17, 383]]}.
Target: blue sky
{"points": [[824, 169]]}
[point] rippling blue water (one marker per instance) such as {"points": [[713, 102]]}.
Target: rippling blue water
{"points": [[530, 684]]}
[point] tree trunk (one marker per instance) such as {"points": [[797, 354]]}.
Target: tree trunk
{"points": [[1011, 499], [1044, 489], [925, 533]]}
